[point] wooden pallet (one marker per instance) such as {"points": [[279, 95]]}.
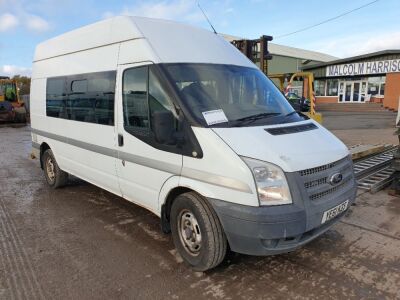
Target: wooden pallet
{"points": [[361, 151]]}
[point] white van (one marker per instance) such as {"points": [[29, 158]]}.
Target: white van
{"points": [[177, 120]]}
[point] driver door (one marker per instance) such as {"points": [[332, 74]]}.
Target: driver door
{"points": [[142, 166]]}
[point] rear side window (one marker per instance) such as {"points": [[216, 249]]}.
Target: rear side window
{"points": [[56, 98], [85, 97]]}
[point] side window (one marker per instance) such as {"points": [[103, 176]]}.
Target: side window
{"points": [[80, 106], [143, 95], [135, 104], [101, 89], [84, 97], [56, 98]]}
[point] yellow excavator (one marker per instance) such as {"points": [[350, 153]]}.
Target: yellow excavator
{"points": [[12, 108], [308, 89]]}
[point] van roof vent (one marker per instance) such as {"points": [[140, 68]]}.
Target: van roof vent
{"points": [[291, 129]]}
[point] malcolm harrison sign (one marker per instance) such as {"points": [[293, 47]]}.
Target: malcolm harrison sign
{"points": [[364, 68]]}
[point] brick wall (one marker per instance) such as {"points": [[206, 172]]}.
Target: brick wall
{"points": [[324, 99], [376, 99], [392, 91]]}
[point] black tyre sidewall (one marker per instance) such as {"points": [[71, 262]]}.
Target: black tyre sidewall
{"points": [[61, 177], [201, 261], [46, 155]]}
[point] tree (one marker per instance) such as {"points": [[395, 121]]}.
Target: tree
{"points": [[23, 84]]}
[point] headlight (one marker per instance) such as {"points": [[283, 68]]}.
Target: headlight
{"points": [[272, 186]]}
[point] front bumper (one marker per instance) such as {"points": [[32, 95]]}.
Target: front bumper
{"points": [[269, 230]]}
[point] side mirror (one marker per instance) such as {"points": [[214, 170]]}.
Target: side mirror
{"points": [[164, 127]]}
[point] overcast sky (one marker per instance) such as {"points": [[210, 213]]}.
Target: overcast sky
{"points": [[25, 23]]}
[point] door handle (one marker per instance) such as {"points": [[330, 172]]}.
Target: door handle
{"points": [[120, 140]]}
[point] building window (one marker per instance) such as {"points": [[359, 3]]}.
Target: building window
{"points": [[319, 87], [332, 87], [376, 85], [382, 89], [373, 88]]}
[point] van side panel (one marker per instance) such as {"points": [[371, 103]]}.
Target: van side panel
{"points": [[136, 51], [105, 32], [94, 60], [84, 149]]}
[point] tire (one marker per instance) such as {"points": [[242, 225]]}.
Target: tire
{"points": [[55, 177], [20, 115], [20, 118], [192, 216]]}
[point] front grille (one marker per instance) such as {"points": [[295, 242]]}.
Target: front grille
{"points": [[320, 195], [316, 180], [317, 169]]}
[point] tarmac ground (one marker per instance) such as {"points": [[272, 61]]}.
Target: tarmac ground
{"points": [[362, 127], [81, 242]]}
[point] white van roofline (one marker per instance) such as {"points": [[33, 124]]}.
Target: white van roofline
{"points": [[168, 41]]}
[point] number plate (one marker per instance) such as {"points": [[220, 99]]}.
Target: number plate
{"points": [[333, 212]]}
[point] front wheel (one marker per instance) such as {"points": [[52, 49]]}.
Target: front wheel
{"points": [[55, 177], [197, 232]]}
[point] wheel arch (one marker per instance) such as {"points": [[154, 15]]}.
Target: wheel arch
{"points": [[43, 147], [171, 189]]}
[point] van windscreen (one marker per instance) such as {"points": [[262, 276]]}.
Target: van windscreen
{"points": [[230, 96]]}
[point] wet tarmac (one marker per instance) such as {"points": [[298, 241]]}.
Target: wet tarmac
{"points": [[81, 242]]}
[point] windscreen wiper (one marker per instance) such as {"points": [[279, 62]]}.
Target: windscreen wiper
{"points": [[256, 117], [291, 113], [252, 118]]}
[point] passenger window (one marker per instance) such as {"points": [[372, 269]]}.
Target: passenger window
{"points": [[101, 89], [56, 98], [88, 98], [135, 105]]}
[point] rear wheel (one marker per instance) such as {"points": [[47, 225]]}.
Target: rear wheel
{"points": [[197, 232], [55, 177]]}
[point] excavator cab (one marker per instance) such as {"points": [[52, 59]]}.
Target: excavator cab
{"points": [[12, 108], [8, 91]]}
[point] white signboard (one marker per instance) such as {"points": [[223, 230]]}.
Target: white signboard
{"points": [[364, 68]]}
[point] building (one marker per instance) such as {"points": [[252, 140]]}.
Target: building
{"points": [[287, 59], [373, 77]]}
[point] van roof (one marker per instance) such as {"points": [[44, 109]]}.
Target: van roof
{"points": [[169, 41]]}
